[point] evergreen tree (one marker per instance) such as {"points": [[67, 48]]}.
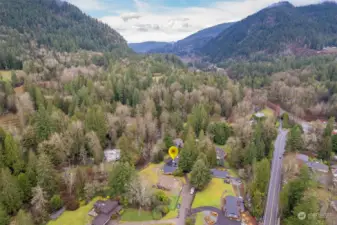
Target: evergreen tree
{"points": [[212, 158], [294, 141], [12, 155], [119, 178], [333, 143], [325, 152], [129, 153], [199, 118], [25, 186], [168, 141], [4, 217], [44, 126], [200, 175], [46, 175], [94, 146], [251, 154], [31, 168], [188, 154], [220, 132], [10, 193], [95, 121], [329, 127]]}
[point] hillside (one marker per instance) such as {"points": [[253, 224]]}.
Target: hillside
{"points": [[145, 47], [281, 28], [193, 42], [55, 24]]}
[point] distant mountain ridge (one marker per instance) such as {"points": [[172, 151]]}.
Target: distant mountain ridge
{"points": [[279, 29], [55, 24], [185, 46], [147, 46]]}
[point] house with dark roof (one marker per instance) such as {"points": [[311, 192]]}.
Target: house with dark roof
{"points": [[318, 167], [179, 143], [302, 158], [105, 210], [219, 173], [233, 207], [220, 156], [171, 166]]}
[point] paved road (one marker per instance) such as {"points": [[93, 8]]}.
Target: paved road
{"points": [[271, 211], [186, 202]]}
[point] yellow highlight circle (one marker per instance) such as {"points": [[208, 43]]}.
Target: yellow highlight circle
{"points": [[173, 152]]}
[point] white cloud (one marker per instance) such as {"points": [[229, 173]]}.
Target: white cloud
{"points": [[87, 5], [149, 22]]}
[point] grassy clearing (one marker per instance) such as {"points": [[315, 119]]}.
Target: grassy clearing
{"points": [[211, 196], [199, 219], [136, 215], [152, 172], [6, 75], [77, 217], [268, 112]]}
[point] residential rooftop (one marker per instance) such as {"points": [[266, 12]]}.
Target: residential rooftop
{"points": [[302, 157]]}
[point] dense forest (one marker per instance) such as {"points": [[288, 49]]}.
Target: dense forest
{"points": [[311, 79], [52, 24], [282, 29]]}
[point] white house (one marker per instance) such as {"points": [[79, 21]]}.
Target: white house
{"points": [[111, 155]]}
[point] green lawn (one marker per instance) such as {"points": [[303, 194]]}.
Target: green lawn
{"points": [[152, 172], [6, 75], [78, 217], [136, 215], [211, 196], [268, 112], [199, 220]]}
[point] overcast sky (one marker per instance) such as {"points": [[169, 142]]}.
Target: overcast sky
{"points": [[170, 20]]}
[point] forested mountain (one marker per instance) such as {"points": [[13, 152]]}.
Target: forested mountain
{"points": [[281, 28], [54, 24], [193, 42], [147, 46]]}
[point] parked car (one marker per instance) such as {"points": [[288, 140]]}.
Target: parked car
{"points": [[192, 191]]}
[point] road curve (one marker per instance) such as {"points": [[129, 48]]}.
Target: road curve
{"points": [[271, 210]]}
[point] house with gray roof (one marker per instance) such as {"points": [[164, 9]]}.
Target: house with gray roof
{"points": [[105, 210], [220, 156], [219, 173], [179, 143], [318, 167], [111, 155], [233, 207], [171, 166], [302, 157]]}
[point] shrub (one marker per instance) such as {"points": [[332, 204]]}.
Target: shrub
{"points": [[178, 173], [156, 214], [72, 204], [56, 202]]}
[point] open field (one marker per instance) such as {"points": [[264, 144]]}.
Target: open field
{"points": [[268, 112], [5, 75], [77, 217], [199, 219], [136, 215], [211, 196]]}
